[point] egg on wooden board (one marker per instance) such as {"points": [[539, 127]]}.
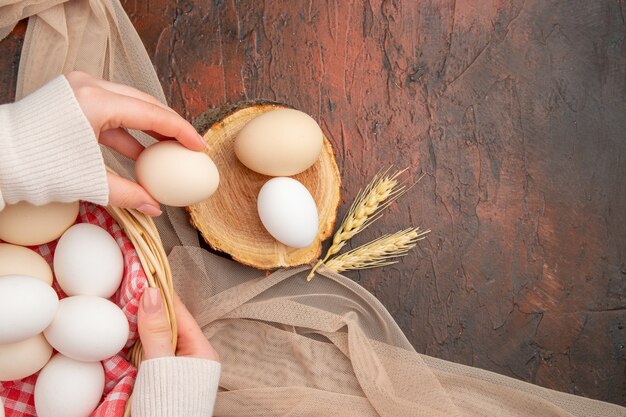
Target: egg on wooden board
{"points": [[21, 359], [88, 261], [68, 388], [88, 328], [281, 142], [27, 307], [29, 225], [175, 175], [288, 212], [18, 260]]}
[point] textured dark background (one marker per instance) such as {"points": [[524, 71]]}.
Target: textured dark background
{"points": [[515, 112]]}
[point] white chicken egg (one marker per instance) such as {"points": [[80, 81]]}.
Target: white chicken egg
{"points": [[88, 261], [27, 306], [88, 328], [68, 388], [288, 212], [175, 175], [21, 359]]}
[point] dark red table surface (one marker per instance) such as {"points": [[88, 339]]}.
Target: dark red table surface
{"points": [[515, 112]]}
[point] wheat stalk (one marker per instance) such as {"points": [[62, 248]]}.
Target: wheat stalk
{"points": [[378, 252], [383, 190]]}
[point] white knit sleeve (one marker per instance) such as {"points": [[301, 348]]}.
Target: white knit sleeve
{"points": [[175, 387], [48, 150]]}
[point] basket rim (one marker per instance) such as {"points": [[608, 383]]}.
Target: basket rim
{"points": [[142, 232]]}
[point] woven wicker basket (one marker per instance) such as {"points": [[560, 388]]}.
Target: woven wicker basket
{"points": [[142, 232]]}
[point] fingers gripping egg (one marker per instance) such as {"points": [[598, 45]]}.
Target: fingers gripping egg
{"points": [[175, 175]]}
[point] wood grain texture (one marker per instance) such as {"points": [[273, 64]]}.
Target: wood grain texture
{"points": [[513, 109]]}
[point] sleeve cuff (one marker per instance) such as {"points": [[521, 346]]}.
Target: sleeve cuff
{"points": [[49, 150], [175, 386]]}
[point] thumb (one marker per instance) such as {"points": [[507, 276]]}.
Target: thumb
{"points": [[154, 328], [125, 193]]}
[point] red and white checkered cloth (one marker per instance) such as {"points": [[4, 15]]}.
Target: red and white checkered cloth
{"points": [[119, 374]]}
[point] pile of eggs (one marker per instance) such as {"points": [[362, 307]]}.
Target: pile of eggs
{"points": [[84, 327], [282, 143]]}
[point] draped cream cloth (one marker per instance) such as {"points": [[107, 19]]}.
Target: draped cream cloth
{"points": [[289, 348]]}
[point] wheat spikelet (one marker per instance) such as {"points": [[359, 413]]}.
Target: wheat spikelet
{"points": [[383, 190], [379, 252]]}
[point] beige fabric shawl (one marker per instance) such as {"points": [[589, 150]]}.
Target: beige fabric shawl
{"points": [[327, 348]]}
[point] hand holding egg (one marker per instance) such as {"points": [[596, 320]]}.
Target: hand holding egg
{"points": [[175, 175], [111, 109], [85, 327]]}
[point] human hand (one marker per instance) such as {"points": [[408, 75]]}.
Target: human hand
{"points": [[155, 333], [111, 109]]}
